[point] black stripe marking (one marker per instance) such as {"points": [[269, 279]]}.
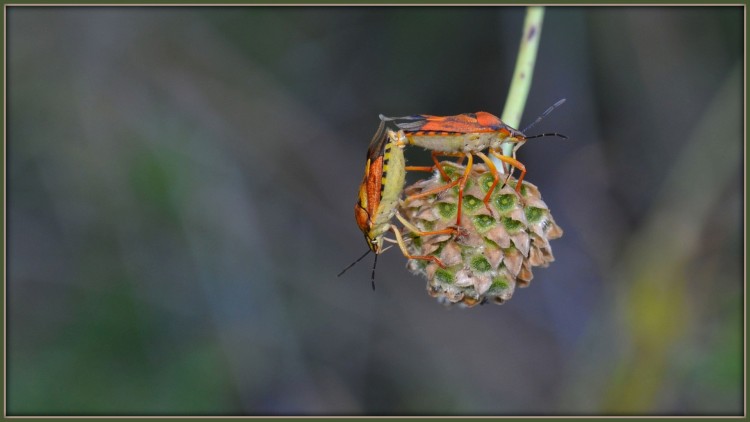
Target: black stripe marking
{"points": [[435, 133]]}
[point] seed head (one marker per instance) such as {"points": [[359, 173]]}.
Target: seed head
{"points": [[496, 245]]}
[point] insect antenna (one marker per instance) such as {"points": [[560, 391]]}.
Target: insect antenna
{"points": [[374, 264], [355, 262], [543, 115], [559, 135]]}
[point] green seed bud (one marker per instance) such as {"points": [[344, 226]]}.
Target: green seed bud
{"points": [[472, 203], [504, 202], [533, 214], [483, 222], [447, 210], [444, 276], [485, 182], [480, 264], [511, 225]]}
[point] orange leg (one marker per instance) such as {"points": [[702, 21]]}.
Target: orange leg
{"points": [[513, 162], [434, 232], [495, 179], [460, 161], [435, 154], [461, 182], [402, 245], [427, 258], [469, 162], [401, 142], [436, 166], [454, 230], [414, 229], [439, 188], [419, 168], [439, 167], [434, 190]]}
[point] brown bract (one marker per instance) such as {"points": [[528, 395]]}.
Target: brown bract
{"points": [[495, 249]]}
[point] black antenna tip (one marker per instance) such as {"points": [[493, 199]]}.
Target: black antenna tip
{"points": [[374, 264], [544, 114], [353, 263], [541, 135]]}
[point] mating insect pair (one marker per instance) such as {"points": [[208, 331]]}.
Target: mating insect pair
{"points": [[463, 136], [379, 192]]}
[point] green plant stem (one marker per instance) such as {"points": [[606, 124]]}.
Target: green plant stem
{"points": [[522, 75]]}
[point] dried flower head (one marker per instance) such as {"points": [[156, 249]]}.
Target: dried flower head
{"points": [[496, 246]]}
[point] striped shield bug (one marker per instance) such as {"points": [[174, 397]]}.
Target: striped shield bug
{"points": [[463, 136], [379, 192]]}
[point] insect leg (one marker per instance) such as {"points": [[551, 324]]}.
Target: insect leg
{"points": [[469, 162], [495, 179], [419, 168], [433, 191], [513, 162], [414, 229], [461, 182], [402, 245], [439, 167]]}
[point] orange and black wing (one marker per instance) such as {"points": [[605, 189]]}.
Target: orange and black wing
{"points": [[377, 144], [369, 190], [461, 123]]}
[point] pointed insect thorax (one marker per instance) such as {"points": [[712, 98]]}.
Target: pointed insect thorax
{"points": [[488, 120]]}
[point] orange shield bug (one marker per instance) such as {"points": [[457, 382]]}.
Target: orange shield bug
{"points": [[465, 135], [379, 192]]}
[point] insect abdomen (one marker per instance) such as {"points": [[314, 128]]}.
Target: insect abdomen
{"points": [[451, 141], [392, 182]]}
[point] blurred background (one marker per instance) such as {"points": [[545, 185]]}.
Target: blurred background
{"points": [[181, 184]]}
